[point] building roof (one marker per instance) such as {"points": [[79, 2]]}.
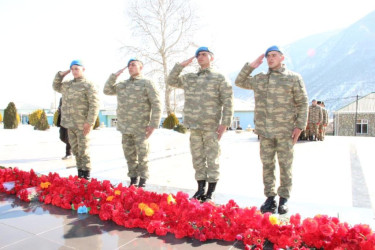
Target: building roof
{"points": [[365, 104], [241, 105]]}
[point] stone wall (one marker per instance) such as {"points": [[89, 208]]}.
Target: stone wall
{"points": [[344, 123]]}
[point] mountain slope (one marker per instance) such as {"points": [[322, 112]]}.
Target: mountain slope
{"points": [[336, 66]]}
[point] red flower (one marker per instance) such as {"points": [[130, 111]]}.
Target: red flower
{"points": [[133, 207], [310, 225], [106, 211], [327, 230]]}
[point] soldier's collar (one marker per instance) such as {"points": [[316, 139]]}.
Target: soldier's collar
{"points": [[204, 71], [79, 79], [281, 70], [140, 76]]}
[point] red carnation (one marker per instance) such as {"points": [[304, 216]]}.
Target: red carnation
{"points": [[326, 230]]}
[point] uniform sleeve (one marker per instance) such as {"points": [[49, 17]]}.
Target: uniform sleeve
{"points": [[57, 83], [301, 102], [174, 80], [326, 116], [244, 80], [110, 85], [93, 98], [320, 115], [226, 98], [153, 97]]}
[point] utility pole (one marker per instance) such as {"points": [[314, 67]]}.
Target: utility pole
{"points": [[355, 119]]}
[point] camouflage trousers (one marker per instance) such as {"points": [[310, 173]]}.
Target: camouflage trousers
{"points": [[205, 152], [136, 150], [80, 148], [283, 147], [322, 132], [313, 129]]}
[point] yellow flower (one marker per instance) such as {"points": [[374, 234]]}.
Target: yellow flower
{"points": [[149, 211], [274, 220], [45, 184], [117, 192], [110, 198], [142, 206], [170, 199]]}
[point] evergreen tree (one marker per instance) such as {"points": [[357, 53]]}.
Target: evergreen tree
{"points": [[55, 116], [97, 123], [171, 121], [10, 116], [35, 117], [42, 123]]}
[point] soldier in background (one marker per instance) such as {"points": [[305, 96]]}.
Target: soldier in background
{"points": [[323, 125], [63, 134], [138, 115], [315, 119], [280, 114], [80, 107], [208, 111]]}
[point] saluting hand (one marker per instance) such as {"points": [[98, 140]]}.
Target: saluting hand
{"points": [[187, 62], [120, 71], [257, 62], [64, 73]]}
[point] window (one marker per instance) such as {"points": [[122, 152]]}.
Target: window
{"points": [[113, 122], [235, 123], [361, 126]]}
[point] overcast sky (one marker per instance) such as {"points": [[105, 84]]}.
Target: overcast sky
{"points": [[41, 37]]}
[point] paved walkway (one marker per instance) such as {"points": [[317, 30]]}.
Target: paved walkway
{"points": [[333, 177]]}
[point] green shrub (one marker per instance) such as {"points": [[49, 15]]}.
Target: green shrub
{"points": [[180, 128], [55, 115], [42, 123], [97, 123], [35, 116], [171, 121], [11, 118]]}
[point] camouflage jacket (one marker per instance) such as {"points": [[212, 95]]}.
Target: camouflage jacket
{"points": [[315, 114], [138, 103], [208, 98], [280, 100], [325, 116], [80, 101]]}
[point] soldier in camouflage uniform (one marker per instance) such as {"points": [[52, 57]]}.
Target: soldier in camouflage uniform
{"points": [[138, 115], [208, 111], [280, 116], [315, 119], [323, 125], [79, 110]]}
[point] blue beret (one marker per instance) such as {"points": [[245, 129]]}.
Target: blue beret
{"points": [[134, 59], [272, 48], [202, 49], [76, 62]]}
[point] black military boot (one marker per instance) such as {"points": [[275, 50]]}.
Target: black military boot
{"points": [[210, 191], [86, 174], [201, 190], [142, 183], [283, 207], [133, 181], [80, 173], [269, 205]]}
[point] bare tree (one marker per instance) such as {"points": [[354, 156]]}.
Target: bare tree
{"points": [[162, 30]]}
